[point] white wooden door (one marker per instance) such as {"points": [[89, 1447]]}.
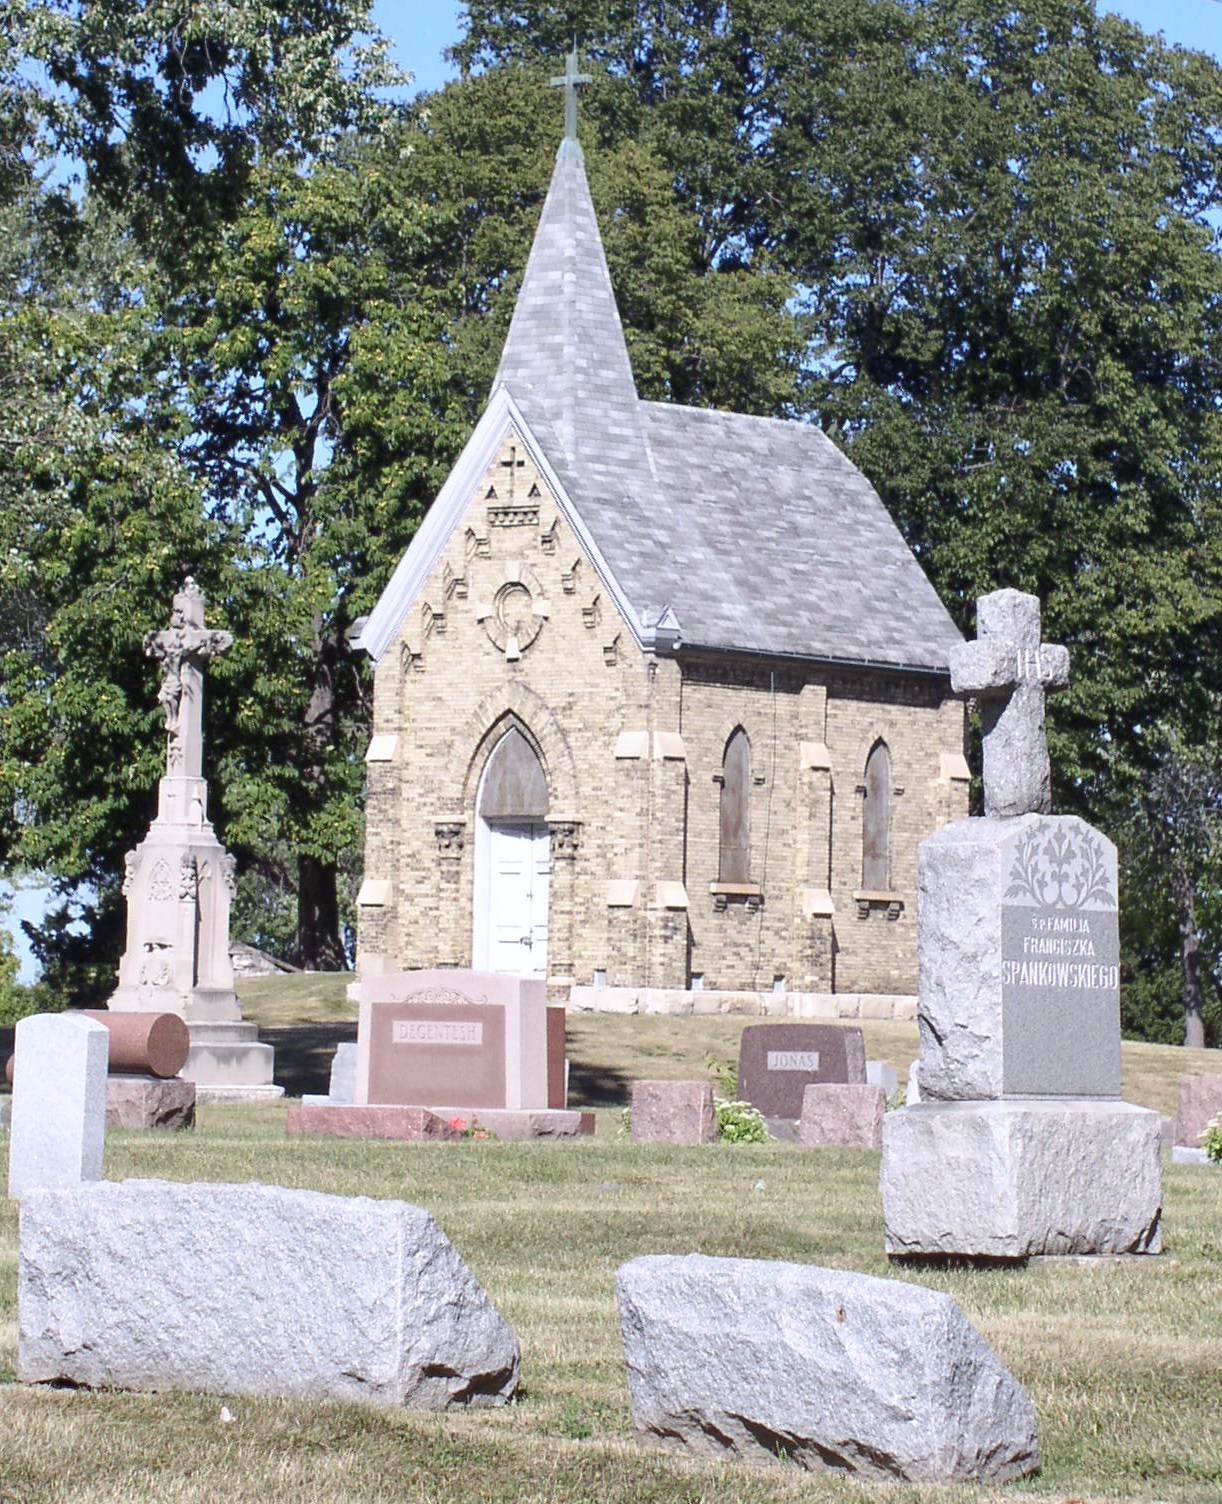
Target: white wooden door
{"points": [[519, 866]]}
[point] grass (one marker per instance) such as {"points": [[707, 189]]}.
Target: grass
{"points": [[1123, 1360]]}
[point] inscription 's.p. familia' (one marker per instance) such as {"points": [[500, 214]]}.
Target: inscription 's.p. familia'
{"points": [[435, 1031]]}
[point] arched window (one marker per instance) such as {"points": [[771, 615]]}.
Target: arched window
{"points": [[513, 786], [736, 810], [876, 822]]}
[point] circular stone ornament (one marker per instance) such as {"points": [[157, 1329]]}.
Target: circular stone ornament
{"points": [[519, 609]]}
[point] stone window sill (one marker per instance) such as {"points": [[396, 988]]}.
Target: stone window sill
{"points": [[878, 898], [750, 894]]}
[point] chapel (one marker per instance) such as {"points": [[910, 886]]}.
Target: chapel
{"points": [[661, 696]]}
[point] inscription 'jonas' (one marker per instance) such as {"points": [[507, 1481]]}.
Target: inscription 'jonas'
{"points": [[793, 1060]]}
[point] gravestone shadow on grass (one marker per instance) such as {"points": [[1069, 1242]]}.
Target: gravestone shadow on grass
{"points": [[304, 1053]]}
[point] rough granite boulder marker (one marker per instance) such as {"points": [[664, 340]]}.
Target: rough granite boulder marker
{"points": [[253, 1289], [673, 1112], [842, 1117], [824, 1368]]}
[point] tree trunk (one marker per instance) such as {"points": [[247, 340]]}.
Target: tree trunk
{"points": [[318, 943], [1190, 955], [318, 939]]}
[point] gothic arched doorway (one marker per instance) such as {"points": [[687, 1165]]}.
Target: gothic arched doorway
{"points": [[512, 861]]}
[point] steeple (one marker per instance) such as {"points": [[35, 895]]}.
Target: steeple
{"points": [[565, 362]]}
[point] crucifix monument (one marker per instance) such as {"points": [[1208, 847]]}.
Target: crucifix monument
{"points": [[1020, 1145], [179, 881]]}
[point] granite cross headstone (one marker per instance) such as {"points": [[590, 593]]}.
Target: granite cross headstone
{"points": [[1020, 1145], [1008, 669]]}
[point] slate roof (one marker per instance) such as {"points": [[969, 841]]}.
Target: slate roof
{"points": [[757, 533]]}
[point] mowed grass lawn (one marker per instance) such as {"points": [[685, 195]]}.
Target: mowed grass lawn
{"points": [[1122, 1359]]}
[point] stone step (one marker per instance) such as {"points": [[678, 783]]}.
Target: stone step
{"points": [[209, 1032], [241, 1064]]}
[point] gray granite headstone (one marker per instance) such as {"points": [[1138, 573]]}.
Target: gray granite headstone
{"points": [[59, 1102], [1019, 1145], [1018, 950], [777, 1062]]}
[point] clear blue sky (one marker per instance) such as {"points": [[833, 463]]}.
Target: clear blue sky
{"points": [[422, 29]]}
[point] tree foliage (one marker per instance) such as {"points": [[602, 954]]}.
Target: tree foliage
{"points": [[976, 244], [1001, 223], [208, 138]]}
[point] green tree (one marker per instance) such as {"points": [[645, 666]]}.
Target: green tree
{"points": [[1002, 226], [208, 133], [1181, 823]]}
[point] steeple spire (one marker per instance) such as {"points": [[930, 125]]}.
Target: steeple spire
{"points": [[565, 362], [568, 80]]}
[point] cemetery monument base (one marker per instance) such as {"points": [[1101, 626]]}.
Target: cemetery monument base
{"points": [[1021, 1179]]}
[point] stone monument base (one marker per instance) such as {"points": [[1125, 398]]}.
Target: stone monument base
{"points": [[1017, 1179], [150, 1102], [228, 1054], [393, 1121]]}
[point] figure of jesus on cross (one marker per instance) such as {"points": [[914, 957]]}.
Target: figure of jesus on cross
{"points": [[181, 650], [1008, 669]]}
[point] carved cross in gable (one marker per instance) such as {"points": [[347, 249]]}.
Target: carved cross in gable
{"points": [[513, 464], [1008, 669]]}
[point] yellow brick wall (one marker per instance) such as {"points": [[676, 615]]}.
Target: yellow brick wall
{"points": [[449, 684]]}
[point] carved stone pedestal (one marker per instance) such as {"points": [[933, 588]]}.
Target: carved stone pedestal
{"points": [[1021, 1179]]}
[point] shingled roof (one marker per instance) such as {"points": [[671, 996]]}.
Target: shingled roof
{"points": [[752, 534], [757, 533]]}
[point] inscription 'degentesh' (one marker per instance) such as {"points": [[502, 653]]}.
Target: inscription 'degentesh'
{"points": [[435, 1031], [793, 1060]]}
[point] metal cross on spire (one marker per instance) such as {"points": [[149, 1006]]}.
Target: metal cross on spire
{"points": [[569, 80]]}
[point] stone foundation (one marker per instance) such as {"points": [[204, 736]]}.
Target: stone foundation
{"points": [[803, 1005]]}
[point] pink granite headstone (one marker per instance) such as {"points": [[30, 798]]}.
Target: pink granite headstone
{"points": [[673, 1112], [842, 1117], [1200, 1101]]}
